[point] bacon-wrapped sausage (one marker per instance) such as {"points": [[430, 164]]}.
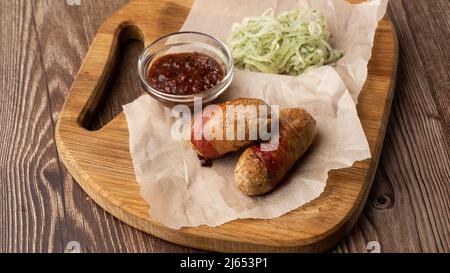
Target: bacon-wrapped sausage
{"points": [[214, 148], [258, 172]]}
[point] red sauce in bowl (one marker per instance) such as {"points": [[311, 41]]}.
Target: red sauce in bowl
{"points": [[185, 73]]}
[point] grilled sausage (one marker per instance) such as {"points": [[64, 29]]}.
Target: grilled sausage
{"points": [[211, 149], [258, 172]]}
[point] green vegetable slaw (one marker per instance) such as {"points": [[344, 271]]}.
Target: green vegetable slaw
{"points": [[290, 43]]}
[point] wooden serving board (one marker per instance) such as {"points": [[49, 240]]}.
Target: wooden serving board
{"points": [[100, 160]]}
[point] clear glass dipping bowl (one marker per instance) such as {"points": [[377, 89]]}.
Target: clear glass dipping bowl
{"points": [[185, 42]]}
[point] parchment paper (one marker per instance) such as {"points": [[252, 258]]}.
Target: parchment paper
{"points": [[182, 193]]}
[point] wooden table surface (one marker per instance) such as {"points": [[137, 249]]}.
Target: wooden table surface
{"points": [[42, 209]]}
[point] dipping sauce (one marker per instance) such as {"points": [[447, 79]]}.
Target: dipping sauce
{"points": [[185, 73]]}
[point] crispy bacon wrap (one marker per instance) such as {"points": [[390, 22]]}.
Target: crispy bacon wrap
{"points": [[258, 172]]}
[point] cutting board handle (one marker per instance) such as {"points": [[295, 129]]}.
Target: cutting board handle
{"points": [[135, 20]]}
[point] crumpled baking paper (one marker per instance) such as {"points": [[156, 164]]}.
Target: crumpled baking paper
{"points": [[181, 193]]}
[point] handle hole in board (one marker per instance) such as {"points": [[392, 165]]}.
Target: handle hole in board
{"points": [[121, 85]]}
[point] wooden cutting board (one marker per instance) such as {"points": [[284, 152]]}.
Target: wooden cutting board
{"points": [[100, 160]]}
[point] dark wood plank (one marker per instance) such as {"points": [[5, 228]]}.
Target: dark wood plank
{"points": [[31, 202], [409, 206], [65, 33]]}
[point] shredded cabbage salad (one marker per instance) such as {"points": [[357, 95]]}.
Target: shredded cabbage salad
{"points": [[290, 43]]}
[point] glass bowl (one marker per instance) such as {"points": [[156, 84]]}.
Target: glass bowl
{"points": [[185, 42]]}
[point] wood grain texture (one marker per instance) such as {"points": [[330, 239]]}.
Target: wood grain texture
{"points": [[100, 160], [409, 206], [30, 203], [407, 210]]}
